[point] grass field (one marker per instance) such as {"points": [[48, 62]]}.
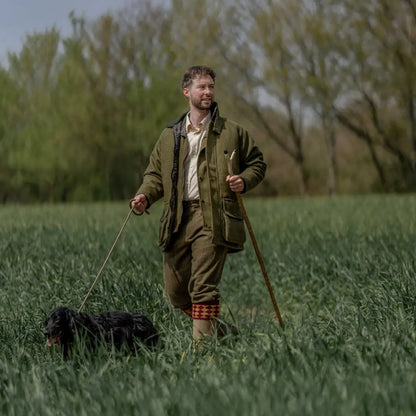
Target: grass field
{"points": [[343, 271]]}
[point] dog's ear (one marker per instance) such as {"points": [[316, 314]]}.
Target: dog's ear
{"points": [[69, 316]]}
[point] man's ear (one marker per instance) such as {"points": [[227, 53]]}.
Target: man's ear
{"points": [[186, 92]]}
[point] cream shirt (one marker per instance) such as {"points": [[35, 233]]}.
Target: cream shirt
{"points": [[194, 137]]}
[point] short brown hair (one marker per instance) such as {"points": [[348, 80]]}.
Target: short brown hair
{"points": [[195, 72]]}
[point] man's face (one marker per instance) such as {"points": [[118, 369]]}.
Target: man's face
{"points": [[201, 93]]}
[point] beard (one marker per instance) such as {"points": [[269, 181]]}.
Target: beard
{"points": [[202, 104]]}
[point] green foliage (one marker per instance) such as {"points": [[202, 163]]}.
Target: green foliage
{"points": [[79, 115], [88, 114], [342, 271]]}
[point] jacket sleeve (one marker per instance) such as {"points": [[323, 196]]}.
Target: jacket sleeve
{"points": [[152, 185], [251, 164]]}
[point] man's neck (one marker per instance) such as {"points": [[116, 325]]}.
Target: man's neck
{"points": [[196, 116]]}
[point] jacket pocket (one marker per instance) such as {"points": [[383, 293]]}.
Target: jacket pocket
{"points": [[233, 222], [163, 227]]}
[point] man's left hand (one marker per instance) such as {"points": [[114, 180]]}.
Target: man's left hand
{"points": [[236, 183]]}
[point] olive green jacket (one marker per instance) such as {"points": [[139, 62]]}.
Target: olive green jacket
{"points": [[164, 178]]}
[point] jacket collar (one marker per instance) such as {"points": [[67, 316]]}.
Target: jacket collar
{"points": [[216, 120]]}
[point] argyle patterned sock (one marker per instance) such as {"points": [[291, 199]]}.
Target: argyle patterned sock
{"points": [[187, 310], [206, 310]]}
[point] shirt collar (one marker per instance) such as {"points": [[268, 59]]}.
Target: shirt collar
{"points": [[202, 125]]}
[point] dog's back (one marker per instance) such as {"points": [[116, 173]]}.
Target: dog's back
{"points": [[129, 325], [114, 327]]}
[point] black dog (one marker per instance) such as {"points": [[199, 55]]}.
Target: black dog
{"points": [[115, 328]]}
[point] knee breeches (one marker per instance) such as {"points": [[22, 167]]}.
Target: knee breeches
{"points": [[193, 265]]}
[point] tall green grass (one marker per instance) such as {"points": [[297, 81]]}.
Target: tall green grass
{"points": [[343, 271]]}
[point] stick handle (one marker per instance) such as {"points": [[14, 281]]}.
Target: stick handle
{"points": [[255, 246]]}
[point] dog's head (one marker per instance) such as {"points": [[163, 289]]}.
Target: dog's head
{"points": [[59, 326]]}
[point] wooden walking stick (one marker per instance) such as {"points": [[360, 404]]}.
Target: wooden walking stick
{"points": [[253, 240]]}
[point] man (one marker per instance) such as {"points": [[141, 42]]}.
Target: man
{"points": [[201, 218]]}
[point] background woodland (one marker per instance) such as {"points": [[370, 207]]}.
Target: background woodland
{"points": [[327, 88]]}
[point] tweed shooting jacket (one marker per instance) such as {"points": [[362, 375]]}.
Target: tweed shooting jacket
{"points": [[164, 178]]}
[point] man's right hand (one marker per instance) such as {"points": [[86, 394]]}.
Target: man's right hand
{"points": [[139, 203]]}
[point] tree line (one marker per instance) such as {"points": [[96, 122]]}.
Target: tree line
{"points": [[327, 88]]}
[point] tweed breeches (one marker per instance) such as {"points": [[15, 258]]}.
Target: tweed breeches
{"points": [[193, 265]]}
